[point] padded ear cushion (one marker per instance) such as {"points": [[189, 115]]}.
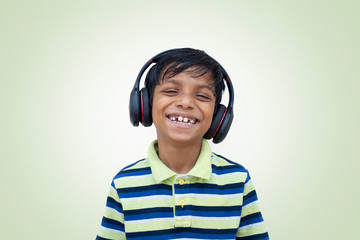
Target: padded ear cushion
{"points": [[134, 107], [146, 116], [225, 127], [216, 122]]}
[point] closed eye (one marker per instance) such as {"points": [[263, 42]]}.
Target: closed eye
{"points": [[204, 97], [169, 92]]}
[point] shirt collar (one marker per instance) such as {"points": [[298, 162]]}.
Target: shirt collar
{"points": [[161, 172]]}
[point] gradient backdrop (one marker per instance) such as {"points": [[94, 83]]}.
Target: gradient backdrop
{"points": [[67, 68]]}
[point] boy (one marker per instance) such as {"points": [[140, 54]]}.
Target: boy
{"points": [[182, 190]]}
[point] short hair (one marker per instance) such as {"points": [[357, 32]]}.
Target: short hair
{"points": [[178, 60]]}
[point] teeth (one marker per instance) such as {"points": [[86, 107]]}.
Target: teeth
{"points": [[182, 120]]}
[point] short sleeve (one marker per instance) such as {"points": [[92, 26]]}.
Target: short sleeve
{"points": [[112, 224], [252, 225]]}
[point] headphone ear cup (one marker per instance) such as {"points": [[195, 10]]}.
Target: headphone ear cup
{"points": [[135, 107], [215, 125], [146, 116], [225, 127]]}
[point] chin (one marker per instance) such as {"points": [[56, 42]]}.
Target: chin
{"points": [[185, 139]]}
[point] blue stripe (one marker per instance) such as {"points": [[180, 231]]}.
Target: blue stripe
{"points": [[251, 219], [143, 191], [133, 172], [219, 170], [248, 178], [148, 213], [113, 206], [114, 202], [113, 224], [262, 236], [146, 193], [238, 165], [128, 166], [250, 197], [184, 233], [205, 188], [202, 211], [145, 188]]}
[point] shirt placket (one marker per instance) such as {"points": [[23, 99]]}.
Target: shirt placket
{"points": [[182, 200]]}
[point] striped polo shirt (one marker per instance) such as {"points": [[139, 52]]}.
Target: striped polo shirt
{"points": [[215, 200]]}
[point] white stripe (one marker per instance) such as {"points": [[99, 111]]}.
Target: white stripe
{"points": [[252, 225], [113, 189], [148, 220], [112, 230], [183, 176], [146, 197], [208, 195], [250, 204], [132, 177], [115, 211], [248, 183]]}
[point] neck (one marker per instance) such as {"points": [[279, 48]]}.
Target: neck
{"points": [[180, 158]]}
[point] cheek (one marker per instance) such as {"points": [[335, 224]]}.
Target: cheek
{"points": [[209, 115], [158, 108]]}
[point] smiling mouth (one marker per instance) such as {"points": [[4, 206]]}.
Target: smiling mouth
{"points": [[182, 120]]}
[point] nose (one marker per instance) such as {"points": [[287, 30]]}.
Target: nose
{"points": [[185, 101]]}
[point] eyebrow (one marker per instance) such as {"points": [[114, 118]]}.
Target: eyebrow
{"points": [[209, 87], [212, 89]]}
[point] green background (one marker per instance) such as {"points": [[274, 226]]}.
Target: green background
{"points": [[67, 68]]}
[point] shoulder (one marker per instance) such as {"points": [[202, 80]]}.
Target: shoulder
{"points": [[222, 162], [224, 168], [138, 169]]}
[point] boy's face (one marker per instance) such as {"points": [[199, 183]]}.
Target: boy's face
{"points": [[183, 107]]}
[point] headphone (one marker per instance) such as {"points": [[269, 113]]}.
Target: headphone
{"points": [[140, 105]]}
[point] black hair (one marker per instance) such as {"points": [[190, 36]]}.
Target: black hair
{"points": [[178, 60]]}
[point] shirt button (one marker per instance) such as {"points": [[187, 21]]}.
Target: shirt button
{"points": [[181, 181], [182, 202]]}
